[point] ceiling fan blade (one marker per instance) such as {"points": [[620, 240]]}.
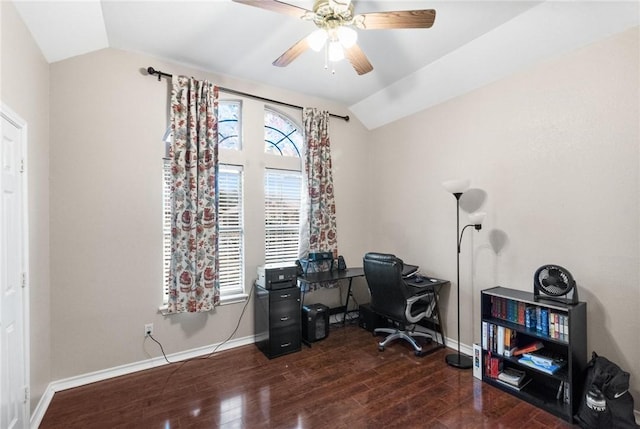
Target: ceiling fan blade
{"points": [[358, 60], [277, 6], [292, 53], [396, 19]]}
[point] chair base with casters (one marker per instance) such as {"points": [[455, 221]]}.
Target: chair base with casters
{"points": [[394, 300], [397, 333]]}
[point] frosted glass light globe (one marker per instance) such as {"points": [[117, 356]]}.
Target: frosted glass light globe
{"points": [[317, 39], [347, 37]]}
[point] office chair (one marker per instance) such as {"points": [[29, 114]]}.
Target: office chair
{"points": [[393, 299]]}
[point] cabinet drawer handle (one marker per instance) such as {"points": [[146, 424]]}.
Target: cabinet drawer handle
{"points": [[285, 345], [283, 318], [287, 295]]}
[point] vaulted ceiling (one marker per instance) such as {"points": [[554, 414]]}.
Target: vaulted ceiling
{"points": [[472, 43]]}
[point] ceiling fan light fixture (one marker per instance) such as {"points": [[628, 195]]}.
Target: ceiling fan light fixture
{"points": [[317, 39], [347, 36], [336, 23], [336, 53]]}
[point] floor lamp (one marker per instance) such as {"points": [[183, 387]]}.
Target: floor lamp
{"points": [[457, 188]]}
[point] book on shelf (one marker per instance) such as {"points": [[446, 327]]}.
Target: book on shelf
{"points": [[512, 376], [500, 340], [509, 342], [531, 347], [493, 366], [511, 386], [540, 366], [485, 333], [544, 359]]}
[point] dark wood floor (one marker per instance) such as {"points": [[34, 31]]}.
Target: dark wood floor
{"points": [[340, 382]]}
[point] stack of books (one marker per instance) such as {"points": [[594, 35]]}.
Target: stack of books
{"points": [[546, 364], [513, 378]]}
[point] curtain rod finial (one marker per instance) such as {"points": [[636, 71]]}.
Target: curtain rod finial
{"points": [[153, 71]]}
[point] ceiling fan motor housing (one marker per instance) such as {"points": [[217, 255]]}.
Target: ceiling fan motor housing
{"points": [[332, 14]]}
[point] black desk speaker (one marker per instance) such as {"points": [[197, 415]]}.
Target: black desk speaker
{"points": [[315, 322]]}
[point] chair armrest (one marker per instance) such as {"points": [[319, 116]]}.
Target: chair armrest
{"points": [[424, 296], [427, 296]]}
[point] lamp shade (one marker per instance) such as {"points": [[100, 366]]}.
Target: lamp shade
{"points": [[456, 186], [477, 218]]}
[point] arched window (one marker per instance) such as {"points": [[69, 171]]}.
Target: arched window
{"points": [[281, 135], [229, 113], [282, 181], [282, 189]]}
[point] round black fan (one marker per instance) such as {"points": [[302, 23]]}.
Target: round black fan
{"points": [[555, 281]]}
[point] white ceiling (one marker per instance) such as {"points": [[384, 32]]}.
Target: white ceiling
{"points": [[471, 43]]}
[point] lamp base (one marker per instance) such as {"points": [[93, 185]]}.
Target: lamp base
{"points": [[459, 361]]}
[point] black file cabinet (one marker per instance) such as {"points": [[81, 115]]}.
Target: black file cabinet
{"points": [[277, 321]]}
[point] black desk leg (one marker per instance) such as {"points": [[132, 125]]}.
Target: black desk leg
{"points": [[346, 306], [440, 328], [305, 342]]}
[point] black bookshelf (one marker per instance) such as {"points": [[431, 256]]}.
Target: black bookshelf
{"points": [[558, 393]]}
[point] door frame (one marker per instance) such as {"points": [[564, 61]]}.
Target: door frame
{"points": [[7, 113]]}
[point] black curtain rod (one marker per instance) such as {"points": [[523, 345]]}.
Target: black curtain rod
{"points": [[161, 74]]}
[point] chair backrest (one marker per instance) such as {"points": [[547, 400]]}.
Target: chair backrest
{"points": [[388, 291]]}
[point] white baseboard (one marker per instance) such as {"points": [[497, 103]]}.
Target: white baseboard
{"points": [[92, 377], [453, 344]]}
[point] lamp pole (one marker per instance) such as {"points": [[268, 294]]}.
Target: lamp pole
{"points": [[458, 360]]}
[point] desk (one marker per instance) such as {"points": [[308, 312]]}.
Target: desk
{"points": [[332, 276], [431, 285]]}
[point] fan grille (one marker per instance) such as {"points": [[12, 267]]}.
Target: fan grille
{"points": [[554, 280]]}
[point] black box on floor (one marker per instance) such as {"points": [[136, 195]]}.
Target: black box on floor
{"points": [[369, 320], [315, 322]]}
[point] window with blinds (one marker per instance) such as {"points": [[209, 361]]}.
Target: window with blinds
{"points": [[283, 144], [166, 228], [230, 233], [282, 215]]}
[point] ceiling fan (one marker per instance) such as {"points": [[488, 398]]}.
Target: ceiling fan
{"points": [[336, 20]]}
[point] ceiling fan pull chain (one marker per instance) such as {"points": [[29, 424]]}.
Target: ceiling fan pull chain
{"points": [[326, 56]]}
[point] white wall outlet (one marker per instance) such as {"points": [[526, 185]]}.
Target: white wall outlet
{"points": [[148, 329]]}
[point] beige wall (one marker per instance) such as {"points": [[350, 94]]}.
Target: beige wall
{"points": [[107, 120], [555, 150], [24, 89]]}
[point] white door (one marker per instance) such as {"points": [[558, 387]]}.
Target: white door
{"points": [[13, 352]]}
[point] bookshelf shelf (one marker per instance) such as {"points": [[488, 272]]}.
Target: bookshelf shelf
{"points": [[561, 331]]}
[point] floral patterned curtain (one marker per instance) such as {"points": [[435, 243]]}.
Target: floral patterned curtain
{"points": [[193, 283], [319, 231]]}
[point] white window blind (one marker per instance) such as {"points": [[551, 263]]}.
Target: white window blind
{"points": [[166, 227], [231, 241], [282, 215]]}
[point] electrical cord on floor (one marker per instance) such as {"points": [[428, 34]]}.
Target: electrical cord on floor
{"points": [[184, 362], [244, 308]]}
